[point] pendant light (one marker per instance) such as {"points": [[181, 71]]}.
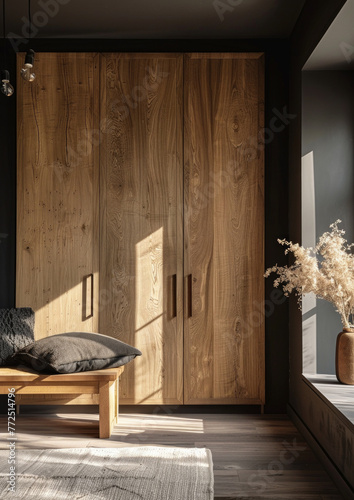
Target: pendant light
{"points": [[29, 59], [6, 87]]}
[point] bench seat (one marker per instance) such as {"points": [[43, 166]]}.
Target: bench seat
{"points": [[92, 387]]}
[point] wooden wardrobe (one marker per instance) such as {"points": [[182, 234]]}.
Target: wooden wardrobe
{"points": [[141, 215]]}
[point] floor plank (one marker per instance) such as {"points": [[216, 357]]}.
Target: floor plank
{"points": [[254, 456]]}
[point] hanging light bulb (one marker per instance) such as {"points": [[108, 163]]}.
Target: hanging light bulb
{"points": [[26, 70], [6, 87]]}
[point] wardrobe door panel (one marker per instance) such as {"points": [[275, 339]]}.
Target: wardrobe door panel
{"points": [[224, 229], [141, 220], [57, 192]]}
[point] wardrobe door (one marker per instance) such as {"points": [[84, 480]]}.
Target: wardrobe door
{"points": [[141, 220], [57, 192], [224, 229]]}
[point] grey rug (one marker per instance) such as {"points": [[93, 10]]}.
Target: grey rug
{"points": [[149, 473]]}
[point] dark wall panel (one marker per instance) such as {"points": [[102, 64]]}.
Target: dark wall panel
{"points": [[7, 192], [328, 131], [315, 18]]}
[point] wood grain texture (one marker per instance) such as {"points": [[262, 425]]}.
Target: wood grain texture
{"points": [[53, 399], [25, 374], [56, 388], [224, 228], [139, 134], [251, 454], [225, 55], [84, 388], [329, 428], [57, 207], [108, 416], [141, 244]]}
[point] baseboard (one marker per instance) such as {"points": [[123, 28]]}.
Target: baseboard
{"points": [[321, 454]]}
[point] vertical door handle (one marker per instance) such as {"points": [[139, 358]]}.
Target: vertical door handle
{"points": [[87, 295], [92, 278], [188, 295], [173, 296]]}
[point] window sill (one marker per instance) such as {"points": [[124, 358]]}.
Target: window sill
{"points": [[337, 395]]}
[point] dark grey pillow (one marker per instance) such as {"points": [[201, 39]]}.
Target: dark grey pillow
{"points": [[76, 352], [16, 331]]}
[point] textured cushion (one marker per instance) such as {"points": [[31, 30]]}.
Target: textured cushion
{"points": [[76, 352], [16, 331]]}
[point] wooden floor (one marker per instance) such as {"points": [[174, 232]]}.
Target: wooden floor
{"points": [[255, 456]]}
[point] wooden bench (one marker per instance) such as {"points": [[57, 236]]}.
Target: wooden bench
{"points": [[93, 387]]}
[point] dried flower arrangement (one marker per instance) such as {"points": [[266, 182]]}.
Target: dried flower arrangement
{"points": [[330, 277]]}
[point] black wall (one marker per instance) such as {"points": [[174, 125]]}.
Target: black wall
{"points": [[7, 191], [314, 20], [276, 177], [330, 434], [328, 131]]}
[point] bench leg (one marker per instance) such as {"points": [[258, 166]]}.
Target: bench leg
{"points": [[108, 407], [116, 406]]}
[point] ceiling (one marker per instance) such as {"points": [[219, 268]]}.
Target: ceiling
{"points": [[336, 49], [155, 19]]}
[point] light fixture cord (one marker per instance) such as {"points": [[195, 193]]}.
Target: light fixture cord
{"points": [[3, 30], [30, 19]]}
